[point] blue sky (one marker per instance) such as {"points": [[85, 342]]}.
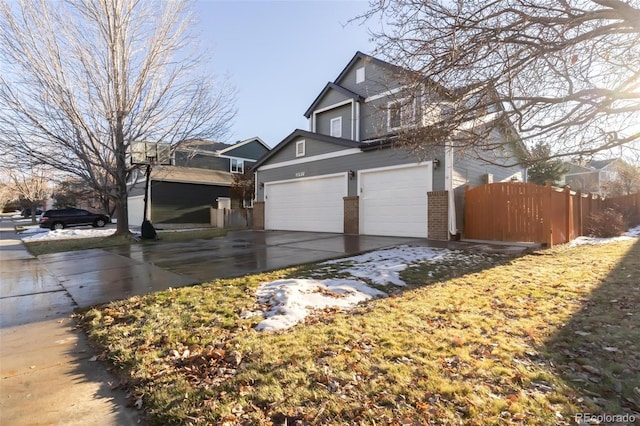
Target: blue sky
{"points": [[279, 55]]}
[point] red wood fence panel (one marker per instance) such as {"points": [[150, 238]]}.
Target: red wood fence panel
{"points": [[514, 211]]}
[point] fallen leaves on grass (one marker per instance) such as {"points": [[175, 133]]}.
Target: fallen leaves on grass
{"points": [[532, 341]]}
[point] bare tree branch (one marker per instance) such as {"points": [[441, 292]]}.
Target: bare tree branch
{"points": [[562, 72], [86, 78]]}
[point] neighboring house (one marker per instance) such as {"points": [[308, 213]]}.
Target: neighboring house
{"points": [[202, 172], [346, 174], [592, 177]]}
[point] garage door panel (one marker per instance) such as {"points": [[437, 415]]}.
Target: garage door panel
{"points": [[394, 201], [306, 205]]}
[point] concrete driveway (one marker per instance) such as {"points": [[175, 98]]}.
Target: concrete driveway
{"points": [[47, 373]]}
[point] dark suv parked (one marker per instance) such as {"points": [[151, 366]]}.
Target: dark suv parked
{"points": [[62, 218]]}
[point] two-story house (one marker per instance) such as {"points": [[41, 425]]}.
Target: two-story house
{"points": [[593, 176], [347, 173], [200, 174]]}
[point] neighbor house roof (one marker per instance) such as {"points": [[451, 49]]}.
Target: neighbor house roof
{"points": [[191, 175], [244, 142]]}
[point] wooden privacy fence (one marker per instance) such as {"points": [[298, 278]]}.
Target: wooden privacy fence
{"points": [[526, 212]]}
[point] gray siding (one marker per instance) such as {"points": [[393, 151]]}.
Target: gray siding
{"points": [[373, 119], [253, 150], [468, 170], [312, 147], [332, 97], [360, 161], [323, 121], [202, 161], [377, 80]]}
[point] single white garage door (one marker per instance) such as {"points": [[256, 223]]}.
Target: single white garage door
{"points": [[307, 204], [393, 201]]}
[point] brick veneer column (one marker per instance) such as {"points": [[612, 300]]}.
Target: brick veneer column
{"points": [[438, 215], [351, 215], [258, 215]]}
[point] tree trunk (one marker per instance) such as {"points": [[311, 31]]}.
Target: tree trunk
{"points": [[33, 212], [122, 213]]}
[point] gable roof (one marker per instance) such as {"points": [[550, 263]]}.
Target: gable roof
{"points": [[191, 175], [242, 143], [601, 164], [332, 86], [201, 145], [348, 143], [369, 59]]}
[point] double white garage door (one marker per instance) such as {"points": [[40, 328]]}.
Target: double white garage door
{"points": [[393, 201]]}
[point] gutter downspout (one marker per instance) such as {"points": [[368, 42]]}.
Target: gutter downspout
{"points": [[448, 186]]}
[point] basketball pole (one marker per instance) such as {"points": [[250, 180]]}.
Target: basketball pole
{"points": [[147, 231]]}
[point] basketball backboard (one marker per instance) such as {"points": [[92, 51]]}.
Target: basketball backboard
{"points": [[151, 153]]}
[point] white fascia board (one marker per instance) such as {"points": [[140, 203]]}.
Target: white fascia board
{"points": [[336, 105], [340, 174], [237, 158], [303, 160]]}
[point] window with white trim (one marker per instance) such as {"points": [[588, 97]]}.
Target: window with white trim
{"points": [[300, 149], [237, 166], [400, 113], [360, 75], [336, 127]]}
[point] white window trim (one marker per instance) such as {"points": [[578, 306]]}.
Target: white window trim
{"points": [[404, 122], [332, 121], [300, 152], [360, 75], [239, 162]]}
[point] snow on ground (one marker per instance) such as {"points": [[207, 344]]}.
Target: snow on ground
{"points": [[631, 233], [383, 267], [289, 301], [65, 234]]}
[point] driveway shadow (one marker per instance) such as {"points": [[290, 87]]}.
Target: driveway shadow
{"points": [[597, 352]]}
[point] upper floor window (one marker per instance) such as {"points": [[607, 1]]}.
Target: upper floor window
{"points": [[360, 75], [336, 127], [237, 166], [300, 149], [400, 113]]}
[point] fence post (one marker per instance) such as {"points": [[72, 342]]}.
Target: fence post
{"points": [[568, 211], [547, 210], [580, 219]]}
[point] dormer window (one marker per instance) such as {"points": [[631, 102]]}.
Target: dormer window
{"points": [[360, 75], [237, 166], [300, 149], [336, 127]]}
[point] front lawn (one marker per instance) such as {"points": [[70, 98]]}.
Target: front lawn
{"points": [[533, 340]]}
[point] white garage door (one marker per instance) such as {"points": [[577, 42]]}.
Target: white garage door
{"points": [[393, 201], [308, 204]]}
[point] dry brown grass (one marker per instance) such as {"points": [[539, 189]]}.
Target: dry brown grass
{"points": [[533, 341]]}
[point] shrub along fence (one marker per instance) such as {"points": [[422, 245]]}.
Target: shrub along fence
{"points": [[526, 212]]}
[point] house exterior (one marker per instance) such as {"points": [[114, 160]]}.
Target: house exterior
{"points": [[202, 172], [593, 176], [345, 174]]}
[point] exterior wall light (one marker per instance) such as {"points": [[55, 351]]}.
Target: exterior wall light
{"points": [[351, 174], [436, 163]]}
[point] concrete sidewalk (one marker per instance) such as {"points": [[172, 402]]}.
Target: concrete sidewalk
{"points": [[46, 373]]}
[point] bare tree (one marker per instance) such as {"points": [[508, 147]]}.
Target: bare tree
{"points": [[32, 186], [562, 71], [85, 79]]}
